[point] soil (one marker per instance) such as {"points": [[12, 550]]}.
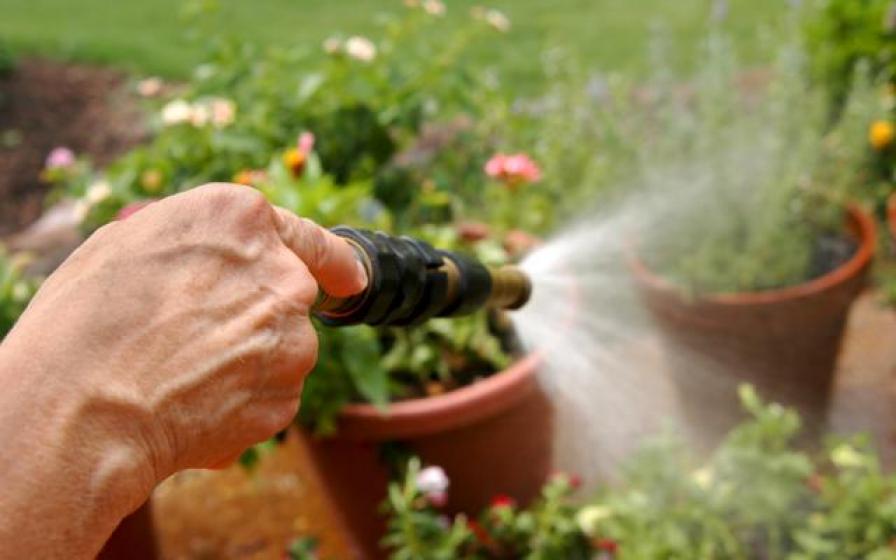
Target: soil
{"points": [[45, 104], [831, 252], [240, 514]]}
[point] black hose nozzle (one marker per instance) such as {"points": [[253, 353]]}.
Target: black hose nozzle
{"points": [[409, 281]]}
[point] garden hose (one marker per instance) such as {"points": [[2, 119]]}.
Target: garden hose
{"points": [[409, 281]]}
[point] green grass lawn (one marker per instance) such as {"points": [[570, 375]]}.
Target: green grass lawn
{"points": [[148, 36]]}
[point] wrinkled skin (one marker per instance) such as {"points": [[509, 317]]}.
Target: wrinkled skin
{"points": [[174, 339]]}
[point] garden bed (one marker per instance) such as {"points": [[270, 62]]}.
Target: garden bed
{"points": [[46, 104]]}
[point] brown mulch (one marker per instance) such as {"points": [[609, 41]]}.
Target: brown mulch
{"points": [[246, 515], [45, 104]]}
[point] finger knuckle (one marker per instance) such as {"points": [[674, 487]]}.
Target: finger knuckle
{"points": [[301, 287], [316, 244]]}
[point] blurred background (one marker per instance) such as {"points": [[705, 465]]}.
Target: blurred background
{"points": [[701, 191]]}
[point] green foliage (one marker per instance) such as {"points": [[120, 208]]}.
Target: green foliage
{"points": [[303, 548], [401, 130], [146, 38], [845, 36], [545, 530], [766, 179], [7, 59], [15, 291], [844, 33], [756, 497], [743, 191]]}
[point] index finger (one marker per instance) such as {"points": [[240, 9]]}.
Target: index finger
{"points": [[329, 258]]}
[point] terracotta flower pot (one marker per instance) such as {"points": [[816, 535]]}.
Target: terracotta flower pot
{"points": [[491, 437], [784, 341]]}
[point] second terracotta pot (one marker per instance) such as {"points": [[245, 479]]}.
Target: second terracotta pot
{"points": [[784, 342], [491, 437]]}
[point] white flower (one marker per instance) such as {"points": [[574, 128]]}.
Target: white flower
{"points": [[702, 477], [497, 20], [332, 45], [434, 7], [80, 210], [20, 292], [150, 87], [360, 48], [177, 111], [97, 192], [199, 115], [432, 480], [223, 112], [589, 518]]}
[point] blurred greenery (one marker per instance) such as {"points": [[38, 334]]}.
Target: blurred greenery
{"points": [[149, 37]]}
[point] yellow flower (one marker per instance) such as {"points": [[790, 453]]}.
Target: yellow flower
{"points": [[250, 177], [243, 177], [881, 134], [845, 456], [294, 160], [590, 517], [151, 180]]}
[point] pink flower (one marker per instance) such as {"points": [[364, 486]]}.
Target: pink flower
{"points": [[60, 158], [513, 170], [132, 209], [306, 142]]}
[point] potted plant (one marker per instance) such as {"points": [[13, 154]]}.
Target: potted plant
{"points": [[750, 270], [757, 496], [453, 391], [373, 135]]}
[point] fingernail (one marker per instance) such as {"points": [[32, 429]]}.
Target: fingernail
{"points": [[362, 275]]}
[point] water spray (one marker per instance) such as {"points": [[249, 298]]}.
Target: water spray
{"points": [[409, 281]]}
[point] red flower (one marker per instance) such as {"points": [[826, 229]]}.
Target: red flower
{"points": [[482, 535], [606, 545], [471, 232], [503, 501], [574, 480]]}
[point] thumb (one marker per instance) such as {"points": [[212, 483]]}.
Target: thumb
{"points": [[329, 258]]}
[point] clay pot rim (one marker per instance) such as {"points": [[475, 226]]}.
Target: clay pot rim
{"points": [[454, 409], [858, 220]]}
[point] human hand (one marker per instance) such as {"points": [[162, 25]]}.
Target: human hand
{"points": [[181, 336]]}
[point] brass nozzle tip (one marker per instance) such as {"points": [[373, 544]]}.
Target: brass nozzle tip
{"points": [[511, 288]]}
